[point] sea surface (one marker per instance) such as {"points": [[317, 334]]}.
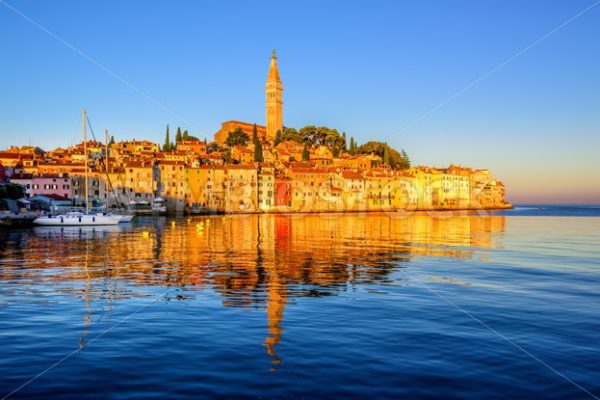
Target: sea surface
{"points": [[426, 305]]}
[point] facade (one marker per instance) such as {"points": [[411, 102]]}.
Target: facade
{"points": [[230, 126], [47, 184], [241, 193]]}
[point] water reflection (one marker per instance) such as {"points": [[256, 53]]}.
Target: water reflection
{"points": [[257, 261]]}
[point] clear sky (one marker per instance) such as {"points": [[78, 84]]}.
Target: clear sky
{"points": [[369, 68]]}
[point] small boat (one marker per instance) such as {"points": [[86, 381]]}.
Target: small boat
{"points": [[142, 207], [124, 217], [77, 219], [19, 219]]}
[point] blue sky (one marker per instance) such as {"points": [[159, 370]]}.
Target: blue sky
{"points": [[368, 68]]}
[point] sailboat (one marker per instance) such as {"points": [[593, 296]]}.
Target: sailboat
{"points": [[79, 218], [123, 214]]}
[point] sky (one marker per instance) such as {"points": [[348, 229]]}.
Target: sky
{"points": [[509, 85]]}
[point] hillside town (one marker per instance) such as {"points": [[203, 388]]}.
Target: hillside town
{"points": [[246, 168]]}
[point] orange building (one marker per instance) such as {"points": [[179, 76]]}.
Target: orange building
{"points": [[230, 126]]}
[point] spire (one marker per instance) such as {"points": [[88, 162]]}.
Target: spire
{"points": [[273, 70]]}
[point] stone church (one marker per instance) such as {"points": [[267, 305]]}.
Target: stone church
{"points": [[274, 106]]}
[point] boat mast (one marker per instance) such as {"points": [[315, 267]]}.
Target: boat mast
{"points": [[106, 148], [84, 126]]}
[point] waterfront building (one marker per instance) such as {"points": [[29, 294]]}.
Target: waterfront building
{"points": [[283, 193], [241, 188], [45, 184], [266, 189], [138, 180], [205, 189], [98, 190], [171, 185]]}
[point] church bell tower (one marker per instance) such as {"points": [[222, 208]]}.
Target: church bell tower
{"points": [[274, 90]]}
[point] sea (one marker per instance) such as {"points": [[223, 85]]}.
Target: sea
{"points": [[441, 305]]}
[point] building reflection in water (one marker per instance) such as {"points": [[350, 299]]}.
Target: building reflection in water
{"points": [[257, 261]]}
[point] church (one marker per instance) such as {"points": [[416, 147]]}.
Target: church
{"points": [[274, 106]]}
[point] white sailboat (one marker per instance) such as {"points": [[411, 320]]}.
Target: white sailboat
{"points": [[79, 218], [124, 215]]}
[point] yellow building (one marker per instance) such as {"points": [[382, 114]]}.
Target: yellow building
{"points": [[449, 190], [266, 189], [205, 189], [241, 193], [138, 181], [172, 188], [306, 187]]}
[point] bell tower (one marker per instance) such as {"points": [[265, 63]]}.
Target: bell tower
{"points": [[274, 91]]}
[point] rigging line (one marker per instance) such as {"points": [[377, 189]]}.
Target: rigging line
{"points": [[496, 68], [103, 164], [98, 64]]}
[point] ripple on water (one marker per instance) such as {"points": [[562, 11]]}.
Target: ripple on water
{"points": [[277, 306]]}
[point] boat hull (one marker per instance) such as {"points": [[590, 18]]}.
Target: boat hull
{"points": [[83, 220], [125, 218], [17, 220]]}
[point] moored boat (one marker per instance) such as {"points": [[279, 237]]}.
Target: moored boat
{"points": [[20, 219], [77, 219]]}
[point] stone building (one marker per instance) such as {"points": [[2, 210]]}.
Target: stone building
{"points": [[274, 91]]}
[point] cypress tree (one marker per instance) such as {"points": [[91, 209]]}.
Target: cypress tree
{"points": [[352, 146], [344, 147], [186, 135], [254, 135], [258, 153], [277, 138], [405, 160], [305, 153], [167, 144], [178, 136]]}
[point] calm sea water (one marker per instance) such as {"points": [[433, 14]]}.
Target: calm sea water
{"points": [[504, 305]]}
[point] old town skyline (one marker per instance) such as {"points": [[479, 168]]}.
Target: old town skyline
{"points": [[247, 168], [372, 94]]}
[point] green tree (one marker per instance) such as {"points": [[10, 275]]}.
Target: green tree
{"points": [[291, 134], [12, 191], [395, 159], [111, 141], [352, 150], [212, 147], [167, 144], [186, 135], [344, 147], [335, 151], [386, 154], [226, 156], [277, 138], [258, 152], [405, 161], [237, 137], [178, 136], [254, 134], [305, 152]]}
